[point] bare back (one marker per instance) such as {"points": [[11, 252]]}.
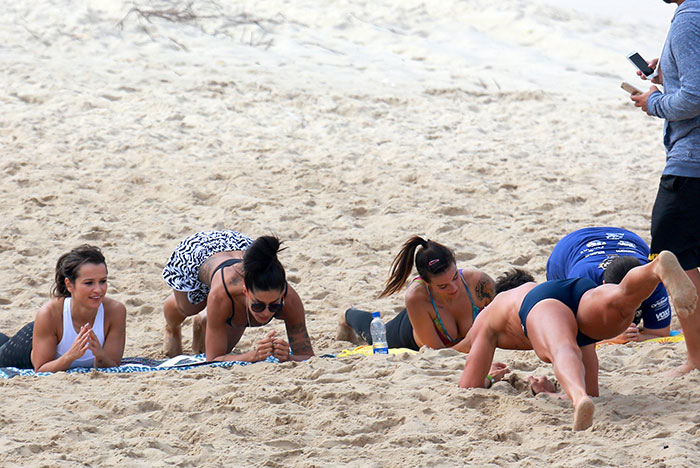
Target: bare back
{"points": [[500, 321]]}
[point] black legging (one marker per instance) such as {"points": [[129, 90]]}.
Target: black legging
{"points": [[17, 351], [399, 330]]}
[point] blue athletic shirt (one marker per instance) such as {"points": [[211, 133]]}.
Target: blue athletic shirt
{"points": [[587, 252]]}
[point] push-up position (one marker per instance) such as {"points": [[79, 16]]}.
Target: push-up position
{"points": [[241, 284], [561, 320], [605, 255]]}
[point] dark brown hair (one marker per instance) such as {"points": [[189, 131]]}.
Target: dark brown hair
{"points": [[431, 259], [512, 279], [618, 268], [68, 266]]}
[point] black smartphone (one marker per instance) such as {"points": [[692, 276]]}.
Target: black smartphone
{"points": [[641, 65]]}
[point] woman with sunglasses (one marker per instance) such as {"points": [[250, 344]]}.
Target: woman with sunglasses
{"points": [[441, 303], [241, 284]]}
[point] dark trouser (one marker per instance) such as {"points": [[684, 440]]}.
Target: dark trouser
{"points": [[17, 351], [399, 331], [675, 219]]}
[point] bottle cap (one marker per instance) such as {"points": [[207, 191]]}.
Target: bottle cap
{"points": [[375, 314]]}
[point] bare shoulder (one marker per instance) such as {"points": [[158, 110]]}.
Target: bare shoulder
{"points": [[114, 308], [49, 319], [416, 293], [51, 310], [292, 295], [476, 275], [230, 285], [481, 282], [293, 306], [218, 302], [234, 280]]}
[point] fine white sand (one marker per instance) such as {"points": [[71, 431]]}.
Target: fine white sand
{"points": [[343, 127]]}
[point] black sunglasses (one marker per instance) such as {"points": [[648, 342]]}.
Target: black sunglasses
{"points": [[274, 307]]}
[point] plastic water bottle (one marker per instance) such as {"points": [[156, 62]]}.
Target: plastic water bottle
{"points": [[378, 331]]}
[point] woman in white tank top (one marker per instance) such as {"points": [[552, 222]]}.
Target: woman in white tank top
{"points": [[79, 326]]}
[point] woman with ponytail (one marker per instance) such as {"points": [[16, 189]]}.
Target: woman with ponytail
{"points": [[441, 302], [78, 327], [241, 284]]}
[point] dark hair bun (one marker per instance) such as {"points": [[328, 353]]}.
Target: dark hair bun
{"points": [[263, 270]]}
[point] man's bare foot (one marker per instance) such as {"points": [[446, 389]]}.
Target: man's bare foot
{"points": [[172, 341], [344, 332], [199, 327], [583, 414], [679, 286], [681, 370]]}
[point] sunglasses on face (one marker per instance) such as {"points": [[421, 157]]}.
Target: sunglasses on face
{"points": [[274, 307]]}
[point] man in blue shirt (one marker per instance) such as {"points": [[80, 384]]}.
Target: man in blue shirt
{"points": [[675, 219], [604, 255]]}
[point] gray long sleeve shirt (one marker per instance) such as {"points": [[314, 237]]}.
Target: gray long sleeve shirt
{"points": [[679, 104]]}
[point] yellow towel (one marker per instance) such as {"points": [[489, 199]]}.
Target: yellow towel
{"points": [[662, 339], [367, 350], [667, 339]]}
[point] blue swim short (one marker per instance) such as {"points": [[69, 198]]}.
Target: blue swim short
{"points": [[568, 292]]}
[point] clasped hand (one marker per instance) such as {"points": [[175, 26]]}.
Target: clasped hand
{"points": [[86, 340], [271, 346]]}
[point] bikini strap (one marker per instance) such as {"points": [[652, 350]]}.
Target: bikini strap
{"points": [[475, 309], [442, 330], [233, 304], [224, 264]]}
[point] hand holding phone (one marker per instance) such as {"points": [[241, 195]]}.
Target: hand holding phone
{"points": [[630, 89], [642, 65]]}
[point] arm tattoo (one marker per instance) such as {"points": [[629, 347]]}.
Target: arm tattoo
{"points": [[299, 339], [484, 288]]}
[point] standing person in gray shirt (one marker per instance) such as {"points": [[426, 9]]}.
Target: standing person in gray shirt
{"points": [[675, 219]]}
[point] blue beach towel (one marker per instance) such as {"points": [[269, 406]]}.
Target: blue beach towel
{"points": [[137, 364]]}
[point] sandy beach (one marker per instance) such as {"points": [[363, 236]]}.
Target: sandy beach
{"points": [[342, 127]]}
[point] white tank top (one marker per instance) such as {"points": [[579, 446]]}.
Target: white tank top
{"points": [[69, 335]]}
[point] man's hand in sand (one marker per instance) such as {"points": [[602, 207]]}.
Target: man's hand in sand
{"points": [[498, 371], [631, 334], [640, 100]]}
